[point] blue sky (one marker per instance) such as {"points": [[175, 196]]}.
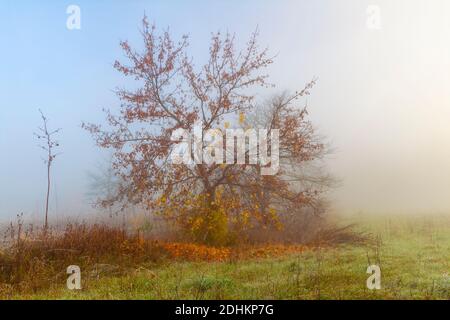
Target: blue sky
{"points": [[69, 75]]}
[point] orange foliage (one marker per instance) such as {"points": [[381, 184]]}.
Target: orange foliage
{"points": [[198, 252]]}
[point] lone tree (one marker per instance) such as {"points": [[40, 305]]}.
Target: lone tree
{"points": [[48, 144], [210, 201]]}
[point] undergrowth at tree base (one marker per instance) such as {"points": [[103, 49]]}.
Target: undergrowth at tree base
{"points": [[33, 261]]}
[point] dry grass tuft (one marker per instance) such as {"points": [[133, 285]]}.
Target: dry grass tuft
{"points": [[31, 261], [332, 236]]}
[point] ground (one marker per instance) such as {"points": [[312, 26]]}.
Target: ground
{"points": [[413, 253]]}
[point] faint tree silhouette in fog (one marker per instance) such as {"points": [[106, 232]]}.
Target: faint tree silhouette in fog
{"points": [[103, 184]]}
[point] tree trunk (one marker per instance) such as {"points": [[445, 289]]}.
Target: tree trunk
{"points": [[47, 198]]}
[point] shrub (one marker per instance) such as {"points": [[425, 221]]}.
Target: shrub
{"points": [[32, 261]]}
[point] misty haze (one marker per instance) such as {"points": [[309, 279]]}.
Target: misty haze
{"points": [[357, 93]]}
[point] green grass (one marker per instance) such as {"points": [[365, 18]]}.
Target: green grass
{"points": [[413, 253]]}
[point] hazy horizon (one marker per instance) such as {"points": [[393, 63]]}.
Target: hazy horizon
{"points": [[382, 99]]}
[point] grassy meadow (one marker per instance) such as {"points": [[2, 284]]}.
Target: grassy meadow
{"points": [[412, 251]]}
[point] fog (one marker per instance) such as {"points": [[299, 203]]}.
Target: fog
{"points": [[382, 99]]}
